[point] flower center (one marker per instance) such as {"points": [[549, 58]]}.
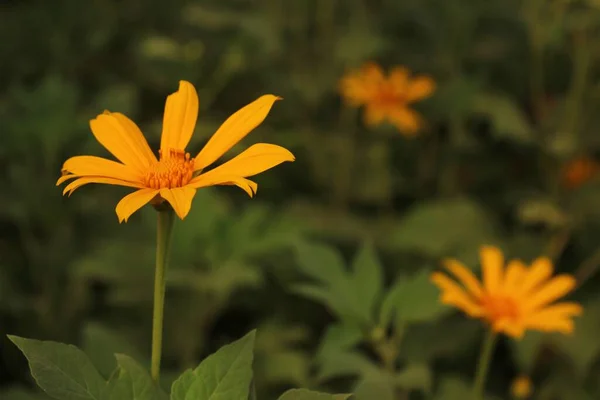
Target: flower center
{"points": [[387, 96], [500, 307], [174, 169]]}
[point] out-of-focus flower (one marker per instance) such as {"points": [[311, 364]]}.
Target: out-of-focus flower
{"points": [[510, 300], [521, 387], [387, 98], [174, 176], [579, 171]]}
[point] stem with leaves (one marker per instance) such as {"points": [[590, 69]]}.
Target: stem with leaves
{"points": [[163, 241]]}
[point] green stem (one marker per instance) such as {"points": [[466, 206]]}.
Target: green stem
{"points": [[483, 365], [163, 241]]}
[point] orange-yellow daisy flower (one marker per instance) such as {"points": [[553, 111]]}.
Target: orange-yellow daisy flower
{"points": [[387, 98], [513, 300], [521, 387], [174, 176]]}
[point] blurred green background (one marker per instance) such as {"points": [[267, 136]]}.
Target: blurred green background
{"points": [[315, 259]]}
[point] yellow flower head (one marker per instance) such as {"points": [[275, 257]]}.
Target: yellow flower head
{"points": [[174, 176], [514, 300], [521, 387], [387, 98]]}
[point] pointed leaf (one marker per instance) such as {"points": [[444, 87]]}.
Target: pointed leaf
{"points": [[367, 278], [132, 381], [304, 394], [418, 300], [182, 385], [320, 262], [62, 371]]}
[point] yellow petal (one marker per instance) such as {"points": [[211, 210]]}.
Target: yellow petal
{"points": [[540, 271], [465, 276], [419, 88], [406, 120], [563, 325], [452, 294], [133, 202], [234, 129], [398, 79], [372, 72], [122, 137], [374, 114], [509, 327], [98, 166], [180, 199], [254, 160], [179, 120], [77, 183], [555, 288], [212, 180], [492, 262], [515, 271]]}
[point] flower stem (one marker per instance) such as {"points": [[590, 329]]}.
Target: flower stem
{"points": [[483, 366], [163, 241]]}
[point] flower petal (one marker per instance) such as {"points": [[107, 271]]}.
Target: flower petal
{"points": [[179, 121], [180, 199], [454, 295], [465, 276], [206, 180], [539, 272], [234, 129], [77, 183], [419, 88], [133, 202], [122, 137], [555, 288], [374, 114], [398, 80], [515, 272], [406, 120], [254, 160], [80, 166], [491, 261]]}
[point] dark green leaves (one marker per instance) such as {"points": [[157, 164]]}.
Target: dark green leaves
{"points": [[303, 394]]}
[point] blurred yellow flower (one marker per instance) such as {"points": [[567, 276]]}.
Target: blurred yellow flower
{"points": [[387, 98], [579, 171], [521, 387], [174, 176], [511, 301]]}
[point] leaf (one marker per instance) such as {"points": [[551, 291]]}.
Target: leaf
{"points": [[305, 394], [452, 388], [349, 363], [225, 374], [63, 371], [367, 278], [417, 300], [339, 299], [375, 387], [132, 381], [415, 376], [439, 227], [285, 367], [507, 119], [339, 337], [320, 262]]}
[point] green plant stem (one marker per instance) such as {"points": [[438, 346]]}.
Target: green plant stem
{"points": [[163, 241], [483, 366]]}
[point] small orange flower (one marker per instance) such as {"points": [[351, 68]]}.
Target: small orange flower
{"points": [[521, 387], [174, 176], [579, 171], [514, 300], [387, 98]]}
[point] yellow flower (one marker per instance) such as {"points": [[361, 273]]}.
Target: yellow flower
{"points": [[521, 387], [514, 300], [387, 98], [174, 176]]}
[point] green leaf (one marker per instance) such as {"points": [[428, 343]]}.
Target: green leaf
{"points": [[440, 227], [367, 278], [132, 381], [452, 388], [417, 300], [305, 394], [63, 371], [414, 377], [507, 119], [337, 299], [225, 374], [349, 363], [375, 387], [320, 262], [339, 337]]}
